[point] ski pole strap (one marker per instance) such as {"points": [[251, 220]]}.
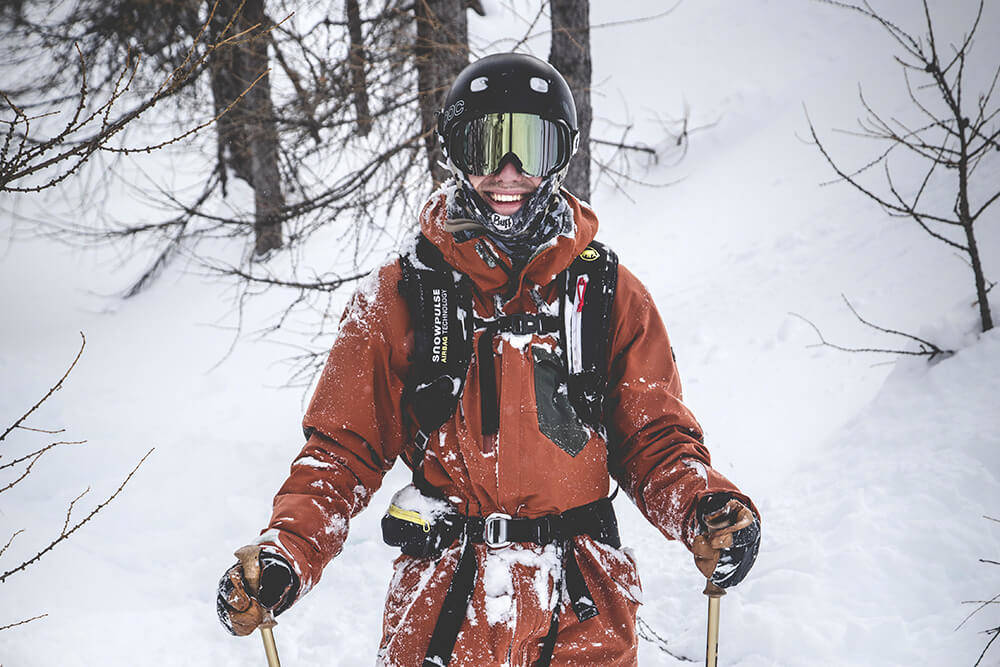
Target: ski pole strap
{"points": [[596, 519]]}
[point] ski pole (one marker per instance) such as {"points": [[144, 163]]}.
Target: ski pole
{"points": [[714, 594], [249, 558]]}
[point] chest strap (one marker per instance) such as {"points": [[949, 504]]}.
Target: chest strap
{"points": [[440, 303], [519, 324], [596, 519]]}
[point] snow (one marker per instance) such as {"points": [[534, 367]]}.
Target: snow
{"points": [[498, 583], [873, 476], [409, 498]]}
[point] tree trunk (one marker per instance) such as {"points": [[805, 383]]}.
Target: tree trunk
{"points": [[965, 217], [570, 54], [982, 295], [356, 59], [441, 52], [248, 134]]}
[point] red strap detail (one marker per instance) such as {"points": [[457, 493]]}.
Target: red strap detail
{"points": [[581, 290]]}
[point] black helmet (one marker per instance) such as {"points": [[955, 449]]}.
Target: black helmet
{"points": [[511, 83], [509, 106]]}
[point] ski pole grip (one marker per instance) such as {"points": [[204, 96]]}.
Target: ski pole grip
{"points": [[249, 557]]}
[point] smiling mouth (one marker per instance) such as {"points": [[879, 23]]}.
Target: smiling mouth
{"points": [[508, 197]]}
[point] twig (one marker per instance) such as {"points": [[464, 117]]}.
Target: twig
{"points": [[629, 147], [57, 386], [650, 635], [66, 533], [28, 620], [978, 609], [39, 452], [42, 430], [996, 633], [935, 349], [825, 343], [10, 541], [34, 459]]}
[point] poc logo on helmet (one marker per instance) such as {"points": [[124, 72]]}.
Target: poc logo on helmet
{"points": [[454, 110]]}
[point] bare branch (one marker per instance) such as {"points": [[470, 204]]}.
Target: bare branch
{"points": [[624, 146], [646, 632], [37, 453], [935, 350], [996, 633], [67, 532], [927, 349], [42, 430], [29, 620], [889, 206], [10, 541], [56, 387]]}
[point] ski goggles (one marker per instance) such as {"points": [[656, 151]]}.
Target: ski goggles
{"points": [[541, 147]]}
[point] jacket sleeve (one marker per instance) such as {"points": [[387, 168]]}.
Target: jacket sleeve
{"points": [[656, 447], [354, 432]]}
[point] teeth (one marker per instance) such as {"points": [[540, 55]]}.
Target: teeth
{"points": [[498, 196]]}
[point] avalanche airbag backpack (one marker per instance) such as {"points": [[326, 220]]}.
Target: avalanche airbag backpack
{"points": [[440, 303]]}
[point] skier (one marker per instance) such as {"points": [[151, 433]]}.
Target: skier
{"points": [[517, 368]]}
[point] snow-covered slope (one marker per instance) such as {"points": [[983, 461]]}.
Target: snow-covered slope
{"points": [[873, 479]]}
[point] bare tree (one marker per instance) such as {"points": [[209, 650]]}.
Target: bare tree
{"points": [[349, 114], [248, 135], [295, 140], [440, 52], [84, 127], [955, 133], [993, 632], [20, 468], [570, 54]]}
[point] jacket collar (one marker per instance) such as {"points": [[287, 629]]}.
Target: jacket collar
{"points": [[488, 266]]}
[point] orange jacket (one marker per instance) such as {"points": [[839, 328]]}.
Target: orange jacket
{"points": [[357, 430]]}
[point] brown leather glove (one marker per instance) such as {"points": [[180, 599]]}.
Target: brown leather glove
{"points": [[727, 546], [238, 611], [241, 612]]}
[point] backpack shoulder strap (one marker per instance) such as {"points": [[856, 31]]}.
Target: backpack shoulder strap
{"points": [[440, 312], [591, 281]]}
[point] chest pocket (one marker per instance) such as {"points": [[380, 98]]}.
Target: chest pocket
{"points": [[557, 420]]}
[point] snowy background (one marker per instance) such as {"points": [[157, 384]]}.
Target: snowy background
{"points": [[873, 475]]}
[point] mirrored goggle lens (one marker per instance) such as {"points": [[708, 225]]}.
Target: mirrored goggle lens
{"points": [[540, 146]]}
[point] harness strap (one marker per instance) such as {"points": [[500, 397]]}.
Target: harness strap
{"points": [[456, 601], [580, 601], [549, 641], [596, 519]]}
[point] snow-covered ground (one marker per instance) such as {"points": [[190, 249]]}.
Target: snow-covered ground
{"points": [[873, 478]]}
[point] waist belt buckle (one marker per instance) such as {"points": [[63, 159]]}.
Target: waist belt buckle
{"points": [[495, 530]]}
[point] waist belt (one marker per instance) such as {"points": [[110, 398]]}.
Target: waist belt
{"points": [[596, 519]]}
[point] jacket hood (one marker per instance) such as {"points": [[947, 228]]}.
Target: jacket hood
{"points": [[478, 256]]}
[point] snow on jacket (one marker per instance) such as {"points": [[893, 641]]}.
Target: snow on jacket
{"points": [[356, 427]]}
